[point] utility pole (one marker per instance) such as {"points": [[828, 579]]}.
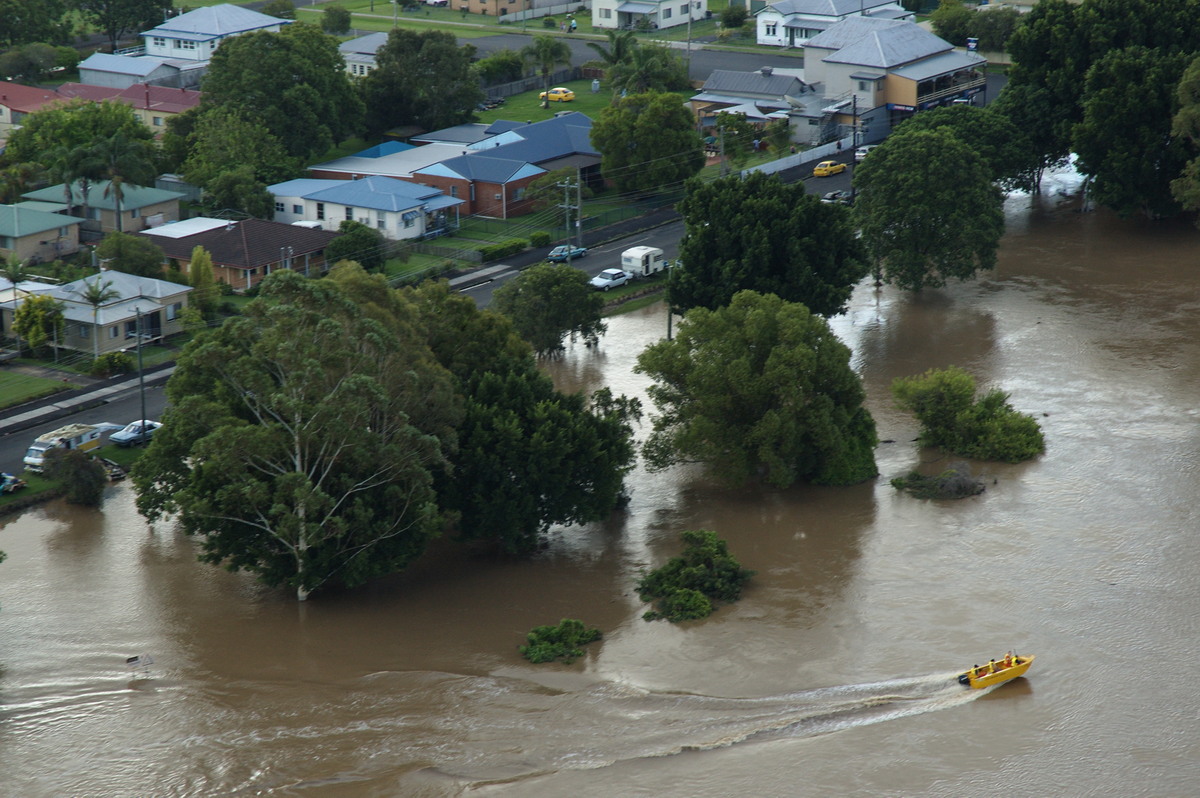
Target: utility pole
{"points": [[567, 208], [721, 144], [578, 207], [141, 374]]}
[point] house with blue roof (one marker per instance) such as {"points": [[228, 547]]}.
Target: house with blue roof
{"points": [[493, 173], [396, 208]]}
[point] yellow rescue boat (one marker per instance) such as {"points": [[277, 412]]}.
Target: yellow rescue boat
{"points": [[998, 671]]}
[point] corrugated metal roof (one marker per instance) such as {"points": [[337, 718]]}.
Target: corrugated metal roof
{"points": [[879, 43]]}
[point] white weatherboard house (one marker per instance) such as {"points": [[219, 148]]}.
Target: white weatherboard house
{"points": [[791, 23], [396, 208], [646, 14], [196, 35]]}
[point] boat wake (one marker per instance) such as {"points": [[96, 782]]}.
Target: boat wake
{"points": [[612, 723]]}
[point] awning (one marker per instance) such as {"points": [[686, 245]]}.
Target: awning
{"points": [[637, 8], [410, 215]]}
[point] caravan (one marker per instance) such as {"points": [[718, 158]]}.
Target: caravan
{"points": [[84, 437], [643, 261]]}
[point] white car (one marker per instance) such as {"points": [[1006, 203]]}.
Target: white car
{"points": [[863, 152], [609, 278], [134, 433]]}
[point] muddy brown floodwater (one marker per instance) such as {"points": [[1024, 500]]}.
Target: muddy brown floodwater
{"points": [[832, 677]]}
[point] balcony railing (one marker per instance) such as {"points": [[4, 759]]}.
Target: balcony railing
{"points": [[957, 87]]}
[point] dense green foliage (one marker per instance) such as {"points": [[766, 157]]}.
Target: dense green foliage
{"points": [[528, 456], [29, 21], [505, 248], [111, 363], [1004, 148], [364, 245], [759, 389], [647, 142], [119, 17], [422, 79], [760, 234], [686, 586], [502, 66], [299, 440], [988, 428], [649, 68], [1186, 125], [548, 302], [335, 20], [562, 642], [1079, 73], [132, 254], [926, 225], [292, 82], [39, 321], [734, 17], [49, 134], [225, 139], [1124, 140], [81, 477]]}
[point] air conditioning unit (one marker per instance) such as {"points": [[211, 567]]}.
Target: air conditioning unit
{"points": [[496, 196], [364, 220]]}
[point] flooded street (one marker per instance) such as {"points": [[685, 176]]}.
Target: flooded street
{"points": [[833, 676]]}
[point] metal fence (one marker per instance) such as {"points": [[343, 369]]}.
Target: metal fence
{"points": [[532, 83]]}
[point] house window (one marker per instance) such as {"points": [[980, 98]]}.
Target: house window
{"points": [[320, 210], [381, 223], [606, 13], [409, 220], [768, 30], [85, 331], [666, 13], [453, 191], [520, 195], [683, 9], [812, 121], [158, 122], [188, 45], [135, 213], [349, 214], [173, 311], [113, 332], [297, 209], [159, 41], [279, 206], [130, 329], [864, 85]]}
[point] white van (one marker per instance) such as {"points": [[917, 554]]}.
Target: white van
{"points": [[861, 152], [84, 437]]}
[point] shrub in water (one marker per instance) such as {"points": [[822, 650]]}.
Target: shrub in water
{"points": [[704, 569], [562, 642]]}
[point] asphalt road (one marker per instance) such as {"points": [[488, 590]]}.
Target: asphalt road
{"points": [[124, 408]]}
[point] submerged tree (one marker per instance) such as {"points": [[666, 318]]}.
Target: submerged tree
{"points": [[288, 446], [686, 586], [548, 302], [759, 389]]}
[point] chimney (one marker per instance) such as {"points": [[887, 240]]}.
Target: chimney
{"points": [[229, 226], [766, 71]]}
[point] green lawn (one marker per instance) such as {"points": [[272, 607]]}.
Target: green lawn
{"points": [[18, 388]]}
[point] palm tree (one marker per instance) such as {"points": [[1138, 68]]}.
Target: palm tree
{"points": [[122, 160], [96, 293], [649, 68], [15, 272], [546, 52], [621, 44]]}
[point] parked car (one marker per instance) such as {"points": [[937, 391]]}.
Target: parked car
{"points": [[134, 433], [609, 278], [566, 253], [558, 95], [827, 168], [437, 2], [862, 152], [838, 197]]}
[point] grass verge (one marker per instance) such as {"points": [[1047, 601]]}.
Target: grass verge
{"points": [[17, 388]]}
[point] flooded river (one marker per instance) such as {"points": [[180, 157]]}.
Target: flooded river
{"points": [[832, 677]]}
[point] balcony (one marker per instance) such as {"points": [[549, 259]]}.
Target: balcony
{"points": [[930, 92]]}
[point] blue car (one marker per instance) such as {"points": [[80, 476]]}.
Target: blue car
{"points": [[565, 253]]}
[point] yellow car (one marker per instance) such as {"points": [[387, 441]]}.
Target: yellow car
{"points": [[827, 168], [558, 95]]}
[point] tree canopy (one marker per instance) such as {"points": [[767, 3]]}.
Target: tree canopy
{"points": [[649, 67], [287, 444], [422, 79], [364, 245], [1124, 142], [132, 254], [924, 226], [118, 17], [1186, 125], [29, 21], [647, 142], [760, 234], [548, 302], [759, 389], [1004, 148], [293, 82], [63, 127], [545, 53], [528, 456]]}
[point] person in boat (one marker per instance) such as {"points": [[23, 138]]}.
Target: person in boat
{"points": [[994, 666], [1008, 660], [980, 671]]}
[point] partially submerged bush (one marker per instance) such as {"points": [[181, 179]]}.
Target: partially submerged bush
{"points": [[943, 400], [686, 586], [562, 642], [955, 482]]}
